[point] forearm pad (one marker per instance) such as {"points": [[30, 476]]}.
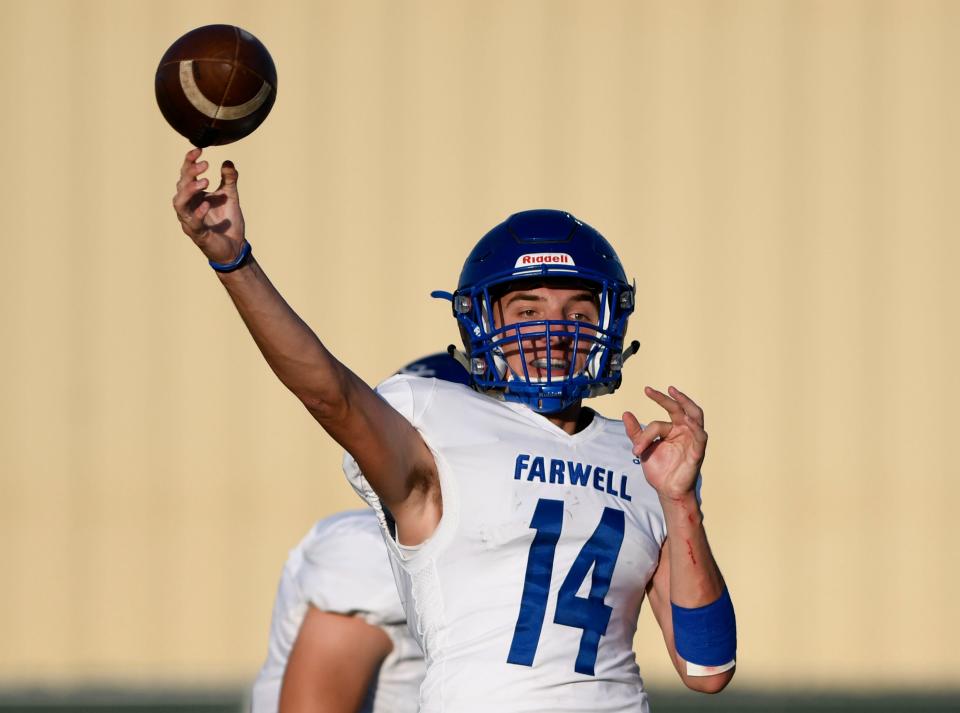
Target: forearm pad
{"points": [[706, 636]]}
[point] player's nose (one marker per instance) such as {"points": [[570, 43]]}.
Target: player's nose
{"points": [[559, 335]]}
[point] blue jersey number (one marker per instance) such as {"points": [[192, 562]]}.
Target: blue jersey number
{"points": [[588, 613]]}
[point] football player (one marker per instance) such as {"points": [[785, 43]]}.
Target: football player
{"points": [[524, 528], [339, 641]]}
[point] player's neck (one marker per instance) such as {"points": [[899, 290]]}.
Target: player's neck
{"points": [[573, 419]]}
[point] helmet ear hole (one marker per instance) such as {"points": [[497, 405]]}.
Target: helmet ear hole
{"points": [[462, 304]]}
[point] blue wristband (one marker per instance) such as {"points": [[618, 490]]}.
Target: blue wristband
{"points": [[706, 636], [245, 252]]}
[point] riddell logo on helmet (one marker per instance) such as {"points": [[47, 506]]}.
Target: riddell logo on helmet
{"points": [[544, 259]]}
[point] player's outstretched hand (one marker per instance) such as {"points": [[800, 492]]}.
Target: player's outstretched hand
{"points": [[672, 451], [212, 219]]}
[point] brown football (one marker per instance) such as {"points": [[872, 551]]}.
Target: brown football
{"points": [[216, 84]]}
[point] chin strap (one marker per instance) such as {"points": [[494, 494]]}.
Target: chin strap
{"points": [[460, 357], [620, 358], [629, 351]]}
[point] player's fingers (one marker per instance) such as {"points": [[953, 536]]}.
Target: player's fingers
{"points": [[186, 204], [198, 168], [651, 432], [191, 173], [201, 211], [669, 405], [632, 425], [687, 404], [189, 160], [187, 195], [192, 221]]}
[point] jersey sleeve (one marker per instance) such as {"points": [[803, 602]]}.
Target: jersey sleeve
{"points": [[346, 571], [410, 396]]}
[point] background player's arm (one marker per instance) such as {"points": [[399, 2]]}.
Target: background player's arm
{"points": [[390, 452], [332, 664], [672, 453]]}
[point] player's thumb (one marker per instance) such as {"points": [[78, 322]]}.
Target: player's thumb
{"points": [[228, 174], [632, 425]]}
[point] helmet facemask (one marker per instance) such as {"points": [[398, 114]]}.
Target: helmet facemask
{"points": [[591, 350]]}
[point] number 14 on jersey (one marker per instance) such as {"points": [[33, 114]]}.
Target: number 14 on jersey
{"points": [[591, 613]]}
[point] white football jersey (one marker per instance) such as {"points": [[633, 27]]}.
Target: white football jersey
{"points": [[341, 566], [526, 597]]}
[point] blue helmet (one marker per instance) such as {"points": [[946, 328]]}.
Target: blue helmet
{"points": [[438, 366], [537, 246]]}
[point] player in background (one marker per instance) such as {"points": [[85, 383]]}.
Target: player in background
{"points": [[524, 528], [339, 641]]}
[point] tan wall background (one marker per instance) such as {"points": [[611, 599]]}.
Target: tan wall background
{"points": [[780, 178]]}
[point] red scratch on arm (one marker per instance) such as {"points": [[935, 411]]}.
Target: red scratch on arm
{"points": [[690, 552]]}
